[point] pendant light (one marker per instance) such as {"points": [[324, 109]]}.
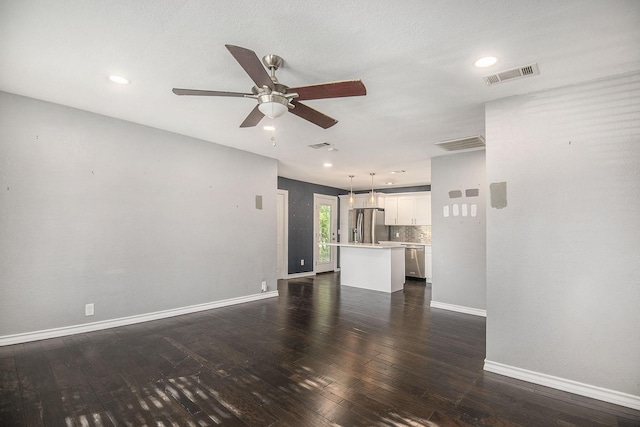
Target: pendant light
{"points": [[351, 197], [372, 199]]}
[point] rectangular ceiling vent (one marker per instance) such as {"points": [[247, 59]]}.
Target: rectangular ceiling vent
{"points": [[462, 143], [516, 73], [320, 145]]}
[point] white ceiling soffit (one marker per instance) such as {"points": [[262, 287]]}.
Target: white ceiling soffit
{"points": [[515, 73], [462, 143]]}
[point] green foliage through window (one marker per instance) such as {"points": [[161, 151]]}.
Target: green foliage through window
{"points": [[324, 219]]}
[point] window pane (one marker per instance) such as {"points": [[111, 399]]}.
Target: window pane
{"points": [[324, 251]]}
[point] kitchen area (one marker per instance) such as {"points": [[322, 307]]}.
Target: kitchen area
{"points": [[384, 239]]}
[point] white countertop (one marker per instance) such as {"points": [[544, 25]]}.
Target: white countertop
{"points": [[391, 243], [382, 245]]}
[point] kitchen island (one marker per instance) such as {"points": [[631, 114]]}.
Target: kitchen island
{"points": [[377, 267]]}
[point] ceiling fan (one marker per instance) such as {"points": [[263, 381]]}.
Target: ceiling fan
{"points": [[274, 98]]}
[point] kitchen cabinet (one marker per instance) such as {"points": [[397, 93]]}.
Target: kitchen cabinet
{"points": [[372, 266], [423, 209], [408, 209], [391, 210], [364, 201]]}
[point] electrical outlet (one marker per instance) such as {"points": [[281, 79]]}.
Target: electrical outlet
{"points": [[264, 286], [301, 262], [397, 234], [89, 309]]}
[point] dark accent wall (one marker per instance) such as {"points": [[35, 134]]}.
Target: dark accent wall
{"points": [[301, 220]]}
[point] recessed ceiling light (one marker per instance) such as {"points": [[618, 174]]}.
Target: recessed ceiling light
{"points": [[389, 183], [118, 79], [485, 62], [269, 127], [328, 165]]}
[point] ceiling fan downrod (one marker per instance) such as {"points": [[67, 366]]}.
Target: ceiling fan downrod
{"points": [[273, 62]]}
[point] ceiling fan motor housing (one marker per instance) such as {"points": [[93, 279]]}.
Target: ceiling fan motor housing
{"points": [[273, 102]]}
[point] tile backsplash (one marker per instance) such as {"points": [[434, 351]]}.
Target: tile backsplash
{"points": [[410, 233]]}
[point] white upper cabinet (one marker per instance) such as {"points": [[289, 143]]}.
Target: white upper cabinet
{"points": [[408, 209], [423, 209], [364, 201], [391, 210]]}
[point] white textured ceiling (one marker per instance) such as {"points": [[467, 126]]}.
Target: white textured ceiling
{"points": [[414, 56]]}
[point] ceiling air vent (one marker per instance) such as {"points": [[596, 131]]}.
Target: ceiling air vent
{"points": [[462, 143], [516, 73], [320, 145]]}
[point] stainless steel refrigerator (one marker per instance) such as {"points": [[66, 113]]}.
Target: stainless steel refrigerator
{"points": [[366, 225]]}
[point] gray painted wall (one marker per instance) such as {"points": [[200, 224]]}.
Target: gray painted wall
{"points": [[134, 219], [459, 242], [301, 220], [563, 278]]}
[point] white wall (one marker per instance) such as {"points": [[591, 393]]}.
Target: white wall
{"points": [[563, 257], [459, 242], [130, 218]]}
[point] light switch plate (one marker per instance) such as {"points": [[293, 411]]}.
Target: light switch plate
{"points": [[89, 309]]}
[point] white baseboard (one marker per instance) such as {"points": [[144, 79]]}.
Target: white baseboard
{"points": [[459, 308], [594, 392], [299, 275], [130, 320]]}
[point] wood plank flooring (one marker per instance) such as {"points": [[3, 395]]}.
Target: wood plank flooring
{"points": [[318, 355]]}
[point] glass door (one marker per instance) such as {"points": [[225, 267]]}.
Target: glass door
{"points": [[325, 230]]}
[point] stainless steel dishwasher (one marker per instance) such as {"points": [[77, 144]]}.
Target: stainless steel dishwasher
{"points": [[414, 261]]}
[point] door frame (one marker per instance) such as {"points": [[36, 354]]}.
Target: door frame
{"points": [[284, 268], [333, 200]]}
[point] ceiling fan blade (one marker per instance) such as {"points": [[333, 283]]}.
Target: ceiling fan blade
{"points": [[314, 116], [253, 118], [249, 61], [330, 90], [207, 92]]}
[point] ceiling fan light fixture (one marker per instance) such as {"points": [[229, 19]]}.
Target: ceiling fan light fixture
{"points": [[273, 105]]}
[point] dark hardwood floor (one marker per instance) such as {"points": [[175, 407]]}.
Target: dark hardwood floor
{"points": [[318, 355]]}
